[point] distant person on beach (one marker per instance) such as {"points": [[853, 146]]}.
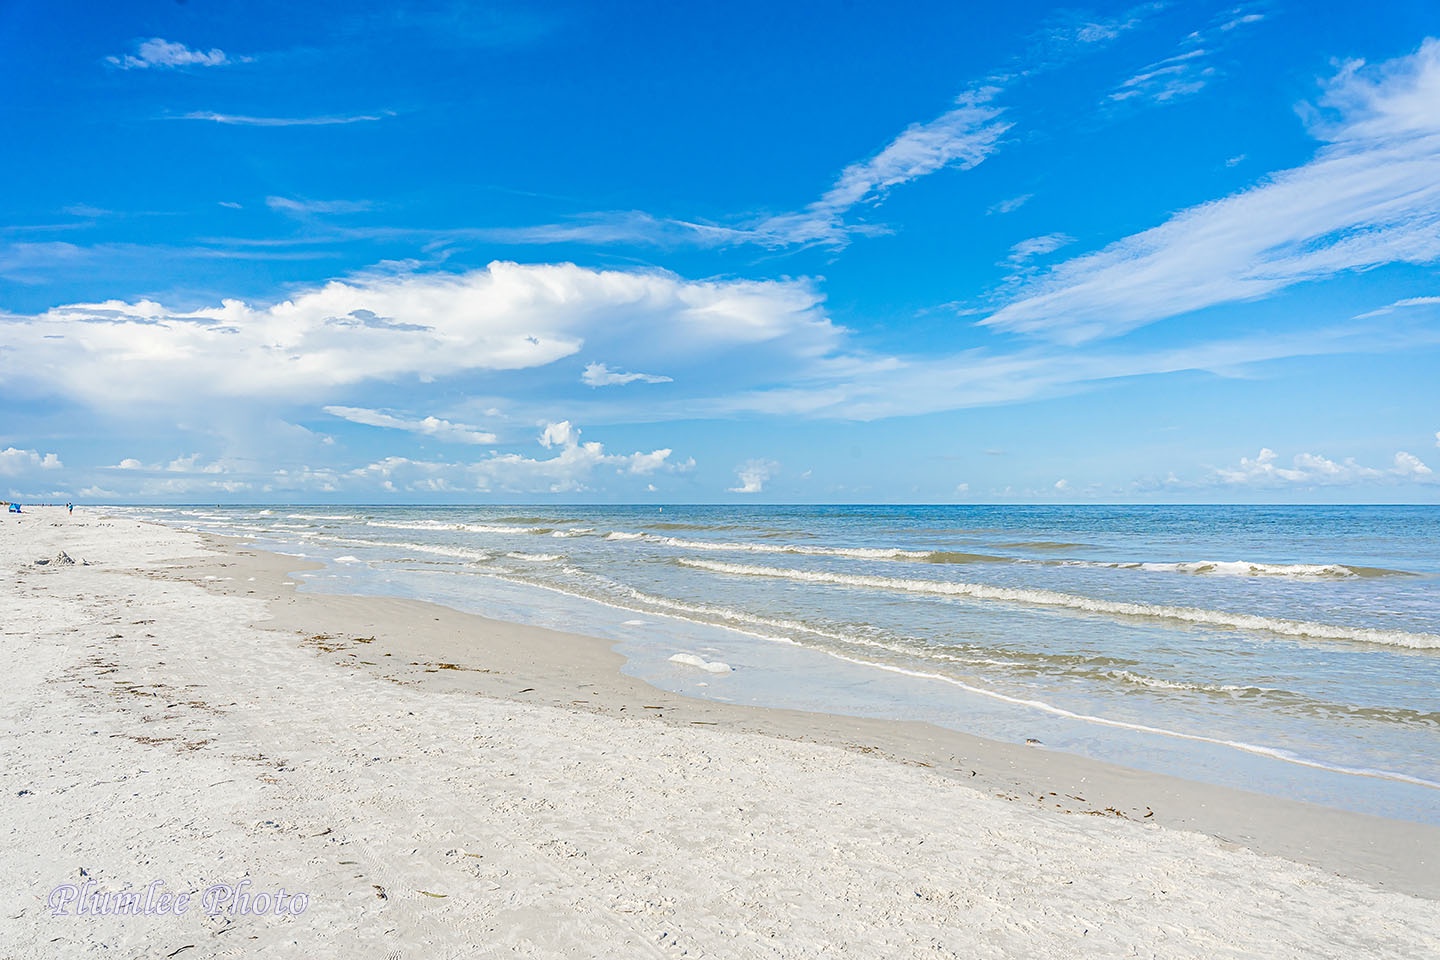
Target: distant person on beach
{"points": [[70, 507]]}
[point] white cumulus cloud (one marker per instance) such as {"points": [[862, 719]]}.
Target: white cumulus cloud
{"points": [[385, 328], [560, 434], [192, 463], [573, 468], [753, 475], [1409, 465], [156, 52], [600, 375], [569, 469], [14, 461], [1312, 469]]}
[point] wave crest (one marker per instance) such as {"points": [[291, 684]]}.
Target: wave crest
{"points": [[1050, 598]]}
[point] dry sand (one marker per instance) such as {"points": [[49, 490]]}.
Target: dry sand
{"points": [[440, 785]]}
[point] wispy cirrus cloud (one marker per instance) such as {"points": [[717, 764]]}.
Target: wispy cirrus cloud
{"points": [[1239, 17], [1029, 249], [606, 227], [860, 386], [1071, 34], [306, 208], [1401, 305], [240, 120], [35, 262], [1188, 71], [1177, 76], [1021, 261], [1370, 197], [960, 138], [160, 53], [1010, 205], [460, 24], [87, 210], [426, 426]]}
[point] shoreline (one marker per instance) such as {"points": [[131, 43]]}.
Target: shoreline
{"points": [[579, 672], [443, 784], [1339, 723]]}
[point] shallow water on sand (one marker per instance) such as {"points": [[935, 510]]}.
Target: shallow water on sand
{"points": [[1292, 650]]}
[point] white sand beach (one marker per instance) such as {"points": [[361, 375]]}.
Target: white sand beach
{"points": [[433, 784]]}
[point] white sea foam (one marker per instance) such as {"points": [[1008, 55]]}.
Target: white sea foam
{"points": [[410, 525], [709, 666], [458, 553], [1223, 568], [468, 527], [688, 612], [1246, 568], [1273, 753], [957, 656], [348, 559], [859, 553], [1159, 683], [1051, 598], [740, 621], [501, 528], [534, 557], [855, 553]]}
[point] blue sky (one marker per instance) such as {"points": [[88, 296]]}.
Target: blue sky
{"points": [[456, 252]]}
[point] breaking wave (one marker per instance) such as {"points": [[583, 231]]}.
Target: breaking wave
{"points": [[1051, 598]]}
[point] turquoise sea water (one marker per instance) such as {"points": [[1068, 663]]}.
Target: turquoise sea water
{"points": [[1290, 650]]}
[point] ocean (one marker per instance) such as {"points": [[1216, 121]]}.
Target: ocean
{"points": [[1288, 650]]}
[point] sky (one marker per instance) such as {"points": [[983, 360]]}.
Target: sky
{"points": [[640, 252]]}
